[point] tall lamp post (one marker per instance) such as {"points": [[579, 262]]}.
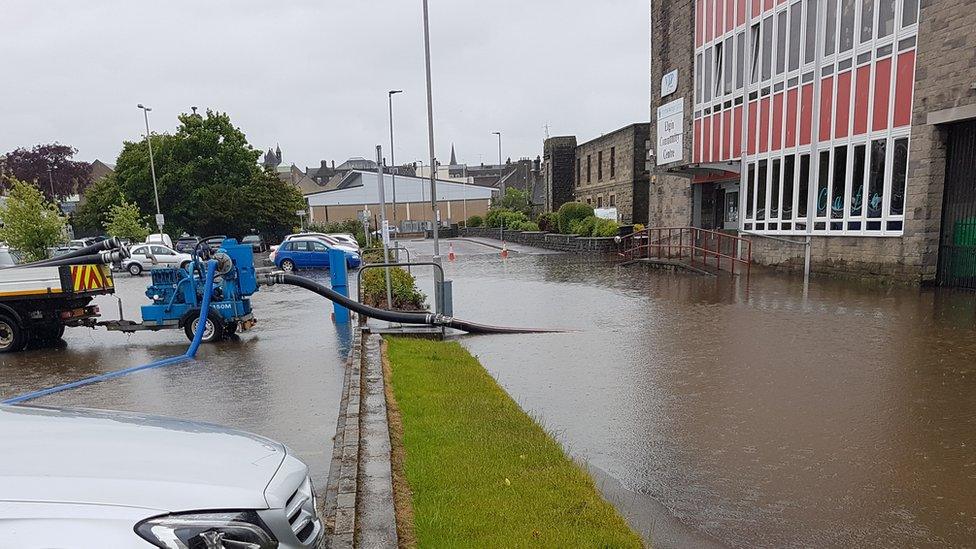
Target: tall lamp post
{"points": [[430, 140], [152, 168], [393, 168]]}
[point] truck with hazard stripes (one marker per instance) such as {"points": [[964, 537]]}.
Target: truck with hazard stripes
{"points": [[38, 300]]}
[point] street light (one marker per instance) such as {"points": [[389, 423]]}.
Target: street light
{"points": [[430, 145], [152, 168], [499, 134], [393, 168]]}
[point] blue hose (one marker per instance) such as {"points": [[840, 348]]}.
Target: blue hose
{"points": [[190, 353]]}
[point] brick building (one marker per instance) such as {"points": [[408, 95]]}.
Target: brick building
{"points": [[852, 122], [610, 173]]}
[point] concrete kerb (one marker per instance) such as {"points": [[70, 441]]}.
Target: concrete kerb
{"points": [[358, 509]]}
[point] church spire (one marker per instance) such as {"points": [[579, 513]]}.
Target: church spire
{"points": [[453, 156]]}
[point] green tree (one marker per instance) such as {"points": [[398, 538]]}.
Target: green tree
{"points": [[515, 200], [30, 223], [99, 200], [209, 181], [126, 221]]}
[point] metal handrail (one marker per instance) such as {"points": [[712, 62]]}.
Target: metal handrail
{"points": [[394, 248], [697, 245], [364, 268]]}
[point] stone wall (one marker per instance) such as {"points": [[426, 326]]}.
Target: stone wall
{"points": [[549, 241], [558, 170], [670, 202], [628, 182]]}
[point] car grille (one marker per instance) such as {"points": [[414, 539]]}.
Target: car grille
{"points": [[301, 513]]}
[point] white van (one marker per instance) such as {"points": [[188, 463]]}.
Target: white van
{"points": [[160, 238]]}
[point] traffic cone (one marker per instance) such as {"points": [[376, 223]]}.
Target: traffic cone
{"points": [[450, 253], [504, 252]]}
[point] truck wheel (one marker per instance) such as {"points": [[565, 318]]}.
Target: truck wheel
{"points": [[135, 269], [13, 336], [212, 331]]}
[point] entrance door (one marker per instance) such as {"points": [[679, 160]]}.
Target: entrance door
{"points": [[957, 244]]}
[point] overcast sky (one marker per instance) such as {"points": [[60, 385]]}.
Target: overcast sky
{"points": [[313, 75]]}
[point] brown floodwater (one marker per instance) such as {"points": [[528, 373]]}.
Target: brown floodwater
{"points": [[736, 412]]}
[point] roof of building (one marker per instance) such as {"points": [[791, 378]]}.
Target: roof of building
{"points": [[356, 163], [619, 130], [361, 188]]}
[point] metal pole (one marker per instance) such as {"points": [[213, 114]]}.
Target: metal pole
{"points": [[152, 166], [381, 188], [390, 94], [430, 135], [50, 179]]}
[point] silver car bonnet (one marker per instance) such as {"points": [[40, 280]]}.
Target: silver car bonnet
{"points": [[129, 459]]}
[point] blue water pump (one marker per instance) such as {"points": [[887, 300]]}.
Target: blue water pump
{"points": [[176, 294]]}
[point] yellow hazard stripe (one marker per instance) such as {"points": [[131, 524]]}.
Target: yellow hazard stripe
{"points": [[32, 292]]}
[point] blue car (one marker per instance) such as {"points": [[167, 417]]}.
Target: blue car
{"points": [[310, 253]]}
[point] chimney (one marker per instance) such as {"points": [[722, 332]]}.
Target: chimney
{"points": [[333, 164]]}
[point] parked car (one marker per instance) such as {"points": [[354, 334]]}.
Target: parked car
{"points": [[329, 240], [8, 257], [348, 238], [160, 238], [310, 253], [91, 478], [186, 244], [147, 256], [256, 241]]}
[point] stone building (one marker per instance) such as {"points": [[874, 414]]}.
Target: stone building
{"points": [[558, 160], [610, 173], [852, 122]]}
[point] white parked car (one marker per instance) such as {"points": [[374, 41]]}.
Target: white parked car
{"points": [[147, 256], [92, 479], [346, 238], [160, 238]]}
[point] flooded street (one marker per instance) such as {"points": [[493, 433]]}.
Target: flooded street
{"points": [[282, 380], [744, 415]]}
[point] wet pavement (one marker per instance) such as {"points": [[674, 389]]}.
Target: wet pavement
{"points": [[283, 379], [742, 414]]}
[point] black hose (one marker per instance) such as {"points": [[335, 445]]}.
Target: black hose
{"points": [[429, 319], [103, 257], [110, 244]]}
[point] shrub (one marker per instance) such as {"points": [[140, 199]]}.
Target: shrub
{"points": [[524, 226], [606, 227], [475, 221], [572, 211], [548, 221], [638, 227], [406, 296], [504, 218]]}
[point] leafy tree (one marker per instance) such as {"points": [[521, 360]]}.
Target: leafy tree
{"points": [[126, 221], [515, 200], [66, 176], [99, 200], [30, 223], [209, 181]]}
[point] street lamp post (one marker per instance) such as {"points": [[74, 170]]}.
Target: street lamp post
{"points": [[152, 168], [499, 134], [390, 94], [430, 139], [50, 179]]}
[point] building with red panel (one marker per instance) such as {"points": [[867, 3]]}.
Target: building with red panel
{"points": [[806, 118]]}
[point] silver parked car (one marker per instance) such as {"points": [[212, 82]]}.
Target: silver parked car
{"points": [[147, 256], [89, 478]]}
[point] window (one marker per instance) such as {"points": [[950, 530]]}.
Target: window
{"points": [[728, 65], [613, 164], [830, 28], [810, 32], [876, 178], [750, 190], [803, 187], [857, 180], [599, 166], [160, 250], [578, 174], [319, 247], [823, 179], [698, 78], [740, 53], [780, 43], [718, 69], [707, 76], [774, 187], [795, 15], [767, 47], [613, 201], [840, 182], [899, 172], [589, 166], [909, 14], [754, 58], [886, 18], [867, 20], [789, 171], [846, 25], [589, 200], [761, 191]]}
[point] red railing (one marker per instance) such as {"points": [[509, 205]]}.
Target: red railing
{"points": [[710, 248]]}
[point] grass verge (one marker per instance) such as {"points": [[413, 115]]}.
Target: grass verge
{"points": [[480, 472]]}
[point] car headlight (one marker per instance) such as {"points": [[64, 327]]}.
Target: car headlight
{"points": [[221, 530]]}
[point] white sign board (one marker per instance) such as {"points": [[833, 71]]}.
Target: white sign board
{"points": [[300, 213], [160, 220], [670, 131], [386, 232], [669, 83], [606, 213]]}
